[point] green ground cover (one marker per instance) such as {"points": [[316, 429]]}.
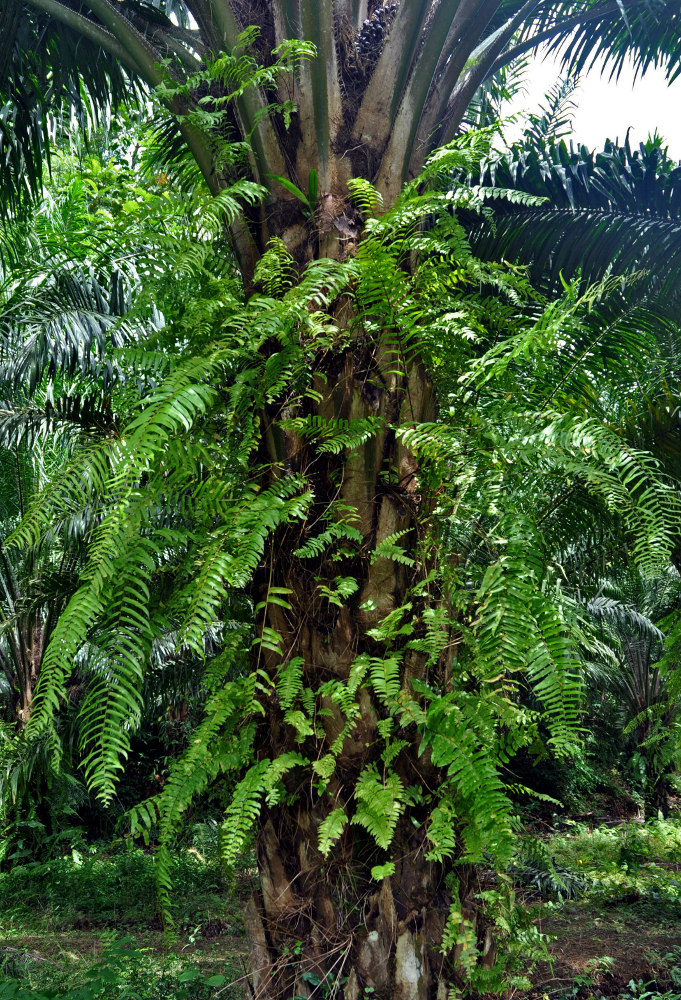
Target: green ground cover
{"points": [[609, 898], [631, 858], [86, 926], [116, 889]]}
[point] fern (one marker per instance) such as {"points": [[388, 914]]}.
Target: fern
{"points": [[218, 746], [322, 543], [300, 721], [365, 196], [379, 872], [243, 811], [391, 627], [325, 766], [392, 750], [290, 681], [333, 436], [442, 832], [379, 805], [385, 678], [519, 631], [112, 708], [276, 270], [389, 549], [344, 587], [461, 734], [191, 773], [276, 771], [331, 829]]}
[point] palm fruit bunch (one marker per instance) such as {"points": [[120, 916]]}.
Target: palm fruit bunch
{"points": [[373, 31]]}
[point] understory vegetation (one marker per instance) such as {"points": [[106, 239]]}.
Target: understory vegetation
{"points": [[86, 925]]}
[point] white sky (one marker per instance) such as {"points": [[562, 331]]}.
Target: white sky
{"points": [[607, 108]]}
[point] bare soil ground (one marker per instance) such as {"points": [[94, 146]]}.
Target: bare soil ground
{"points": [[600, 949], [585, 939]]}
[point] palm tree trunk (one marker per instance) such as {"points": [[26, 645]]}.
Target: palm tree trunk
{"points": [[328, 924], [317, 919]]}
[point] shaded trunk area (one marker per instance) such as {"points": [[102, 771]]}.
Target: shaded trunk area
{"points": [[327, 929], [322, 925]]}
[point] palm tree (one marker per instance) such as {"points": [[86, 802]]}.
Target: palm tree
{"points": [[614, 211], [70, 270], [377, 653], [617, 210], [296, 453], [53, 313], [389, 83], [631, 613], [67, 284]]}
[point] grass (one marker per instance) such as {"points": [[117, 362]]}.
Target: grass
{"points": [[123, 968], [627, 859], [115, 888], [86, 926]]}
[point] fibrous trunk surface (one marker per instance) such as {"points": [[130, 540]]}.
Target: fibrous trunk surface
{"points": [[321, 925]]}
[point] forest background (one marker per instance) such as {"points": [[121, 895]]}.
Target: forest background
{"points": [[340, 474]]}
